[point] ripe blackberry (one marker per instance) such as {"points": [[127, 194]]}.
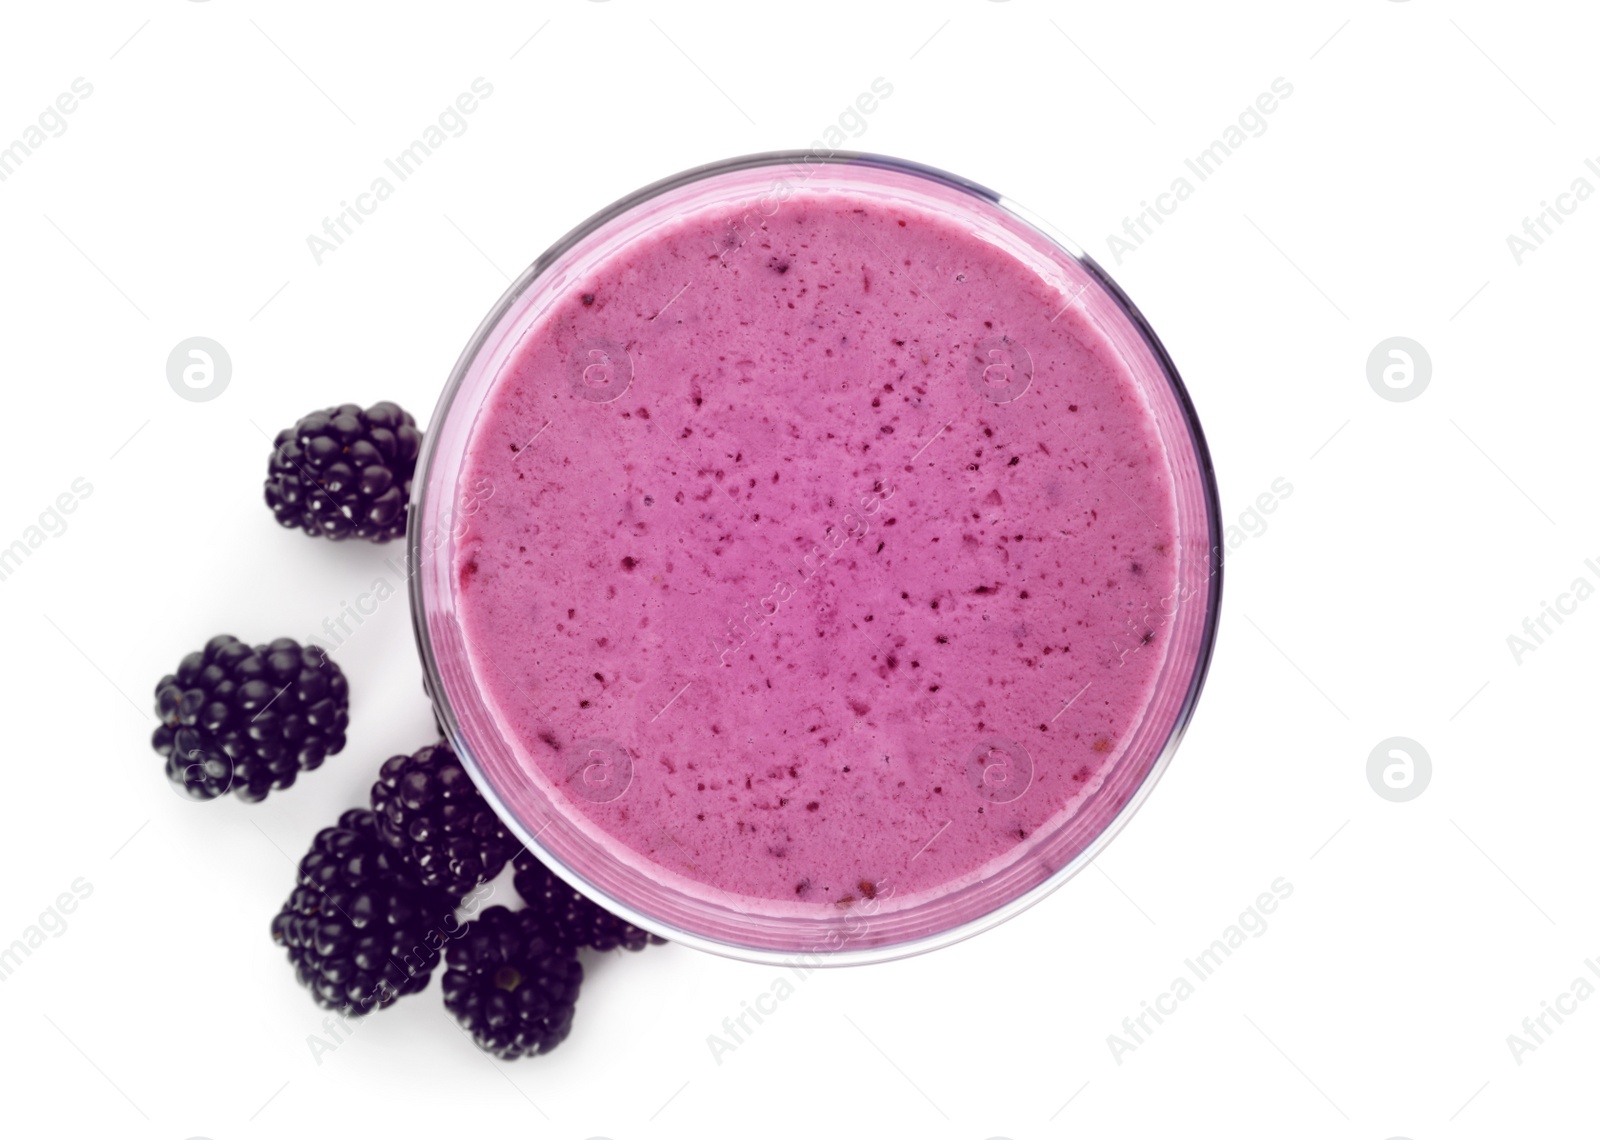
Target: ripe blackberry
{"points": [[574, 918], [345, 473], [360, 934], [511, 984], [429, 811], [250, 720]]}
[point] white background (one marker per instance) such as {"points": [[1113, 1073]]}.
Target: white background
{"points": [[1376, 603]]}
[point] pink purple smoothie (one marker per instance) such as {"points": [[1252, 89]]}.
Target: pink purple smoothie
{"points": [[813, 562]]}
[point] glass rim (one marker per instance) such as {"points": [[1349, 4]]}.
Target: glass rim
{"points": [[847, 956]]}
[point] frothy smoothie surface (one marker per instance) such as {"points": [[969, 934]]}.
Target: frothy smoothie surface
{"points": [[819, 561]]}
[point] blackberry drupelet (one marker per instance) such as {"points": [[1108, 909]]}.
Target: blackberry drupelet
{"points": [[429, 810], [574, 918], [359, 932], [345, 473], [512, 984], [249, 719]]}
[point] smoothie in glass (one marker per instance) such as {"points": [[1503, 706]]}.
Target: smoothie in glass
{"points": [[826, 556]]}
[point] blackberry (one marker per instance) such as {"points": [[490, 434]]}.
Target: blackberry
{"points": [[511, 984], [345, 473], [249, 719], [429, 810], [360, 934], [574, 918]]}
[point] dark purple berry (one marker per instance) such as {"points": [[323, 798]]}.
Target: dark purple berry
{"points": [[433, 815], [249, 720], [511, 984], [345, 473], [574, 918], [359, 932]]}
